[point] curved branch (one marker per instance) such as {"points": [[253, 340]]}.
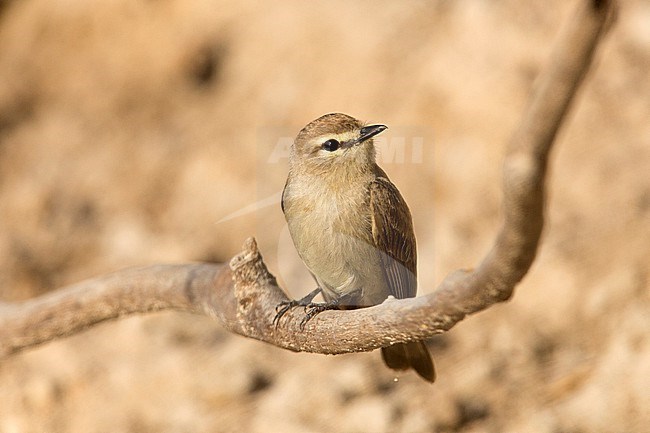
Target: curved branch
{"points": [[243, 296]]}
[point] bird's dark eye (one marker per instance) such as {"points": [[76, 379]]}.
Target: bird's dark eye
{"points": [[331, 145]]}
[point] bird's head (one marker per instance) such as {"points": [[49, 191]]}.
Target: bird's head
{"points": [[335, 141]]}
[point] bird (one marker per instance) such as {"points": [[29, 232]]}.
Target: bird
{"points": [[351, 227]]}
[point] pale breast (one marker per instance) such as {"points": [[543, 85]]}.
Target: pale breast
{"points": [[332, 234]]}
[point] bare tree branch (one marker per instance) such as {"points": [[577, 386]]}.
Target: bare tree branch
{"points": [[243, 296]]}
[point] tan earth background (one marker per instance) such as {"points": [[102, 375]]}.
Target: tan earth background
{"points": [[135, 132]]}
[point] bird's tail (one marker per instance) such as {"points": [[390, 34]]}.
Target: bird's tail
{"points": [[410, 355]]}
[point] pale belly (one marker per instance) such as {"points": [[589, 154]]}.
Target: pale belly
{"points": [[340, 256]]}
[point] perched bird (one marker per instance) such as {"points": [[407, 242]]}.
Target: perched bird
{"points": [[351, 227]]}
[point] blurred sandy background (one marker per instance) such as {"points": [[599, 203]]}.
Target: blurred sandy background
{"points": [[134, 132]]}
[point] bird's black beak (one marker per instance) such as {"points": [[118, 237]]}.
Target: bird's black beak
{"points": [[367, 132]]}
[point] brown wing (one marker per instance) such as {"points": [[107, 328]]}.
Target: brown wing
{"points": [[392, 233]]}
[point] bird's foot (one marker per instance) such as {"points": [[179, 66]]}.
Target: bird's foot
{"points": [[314, 308], [284, 306]]}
